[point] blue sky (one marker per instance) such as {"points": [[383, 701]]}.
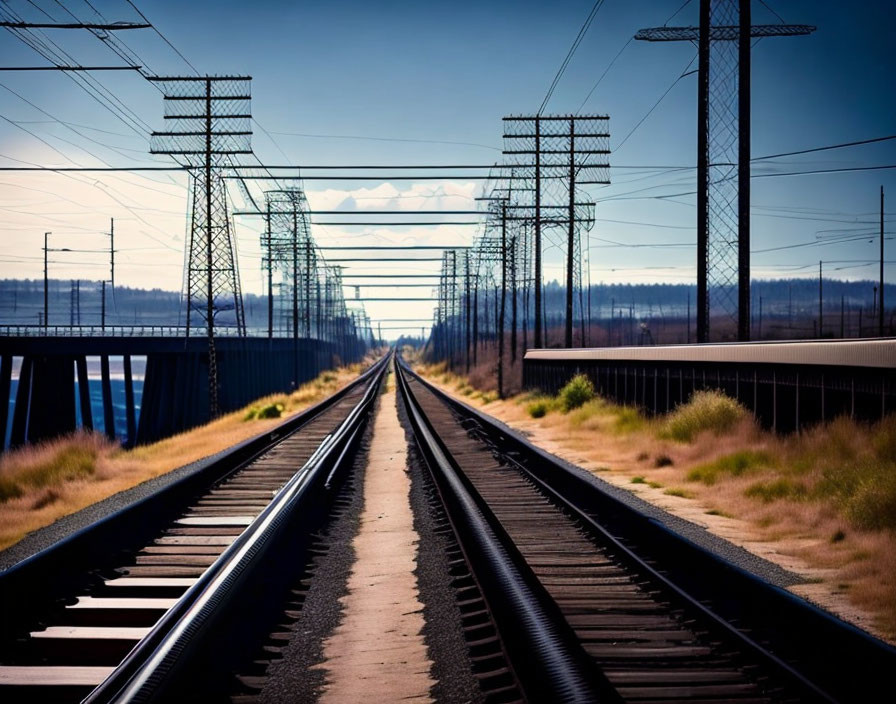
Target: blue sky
{"points": [[448, 73]]}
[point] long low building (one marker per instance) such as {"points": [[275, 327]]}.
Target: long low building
{"points": [[787, 385]]}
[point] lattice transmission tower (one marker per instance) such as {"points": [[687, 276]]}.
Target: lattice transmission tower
{"points": [[210, 124], [723, 39], [290, 251]]}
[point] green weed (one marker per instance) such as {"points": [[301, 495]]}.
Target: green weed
{"points": [[767, 492], [682, 493], [736, 464], [706, 411], [628, 420]]}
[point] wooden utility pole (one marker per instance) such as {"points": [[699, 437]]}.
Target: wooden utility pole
{"points": [[46, 282], [513, 302], [112, 255], [880, 312], [308, 286], [570, 232], [503, 300], [270, 248], [537, 275], [467, 321]]}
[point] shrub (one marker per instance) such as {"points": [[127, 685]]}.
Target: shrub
{"points": [[269, 410], [707, 410], [538, 409], [578, 391], [663, 461], [638, 480]]}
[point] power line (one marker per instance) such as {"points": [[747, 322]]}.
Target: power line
{"points": [[163, 37], [827, 171], [572, 50], [656, 104], [385, 139], [606, 71], [822, 149]]}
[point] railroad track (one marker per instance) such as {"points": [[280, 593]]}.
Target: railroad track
{"points": [[595, 602], [132, 608]]}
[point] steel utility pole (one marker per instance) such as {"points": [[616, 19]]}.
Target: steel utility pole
{"points": [[820, 303], [723, 215]]}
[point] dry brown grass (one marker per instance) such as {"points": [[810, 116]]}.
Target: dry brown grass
{"points": [[822, 503], [40, 484]]}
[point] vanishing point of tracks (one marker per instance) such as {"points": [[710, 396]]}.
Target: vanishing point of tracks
{"points": [[562, 593]]}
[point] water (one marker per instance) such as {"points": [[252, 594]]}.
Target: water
{"points": [[96, 406]]}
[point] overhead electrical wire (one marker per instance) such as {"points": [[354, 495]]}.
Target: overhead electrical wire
{"points": [[572, 50]]}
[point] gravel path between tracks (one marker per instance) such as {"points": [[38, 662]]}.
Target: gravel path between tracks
{"points": [[293, 676], [378, 648], [43, 538]]}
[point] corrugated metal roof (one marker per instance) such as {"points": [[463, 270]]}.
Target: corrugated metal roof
{"points": [[879, 352]]}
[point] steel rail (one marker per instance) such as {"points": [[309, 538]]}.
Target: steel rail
{"points": [[158, 663], [52, 572], [852, 669], [557, 669]]}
